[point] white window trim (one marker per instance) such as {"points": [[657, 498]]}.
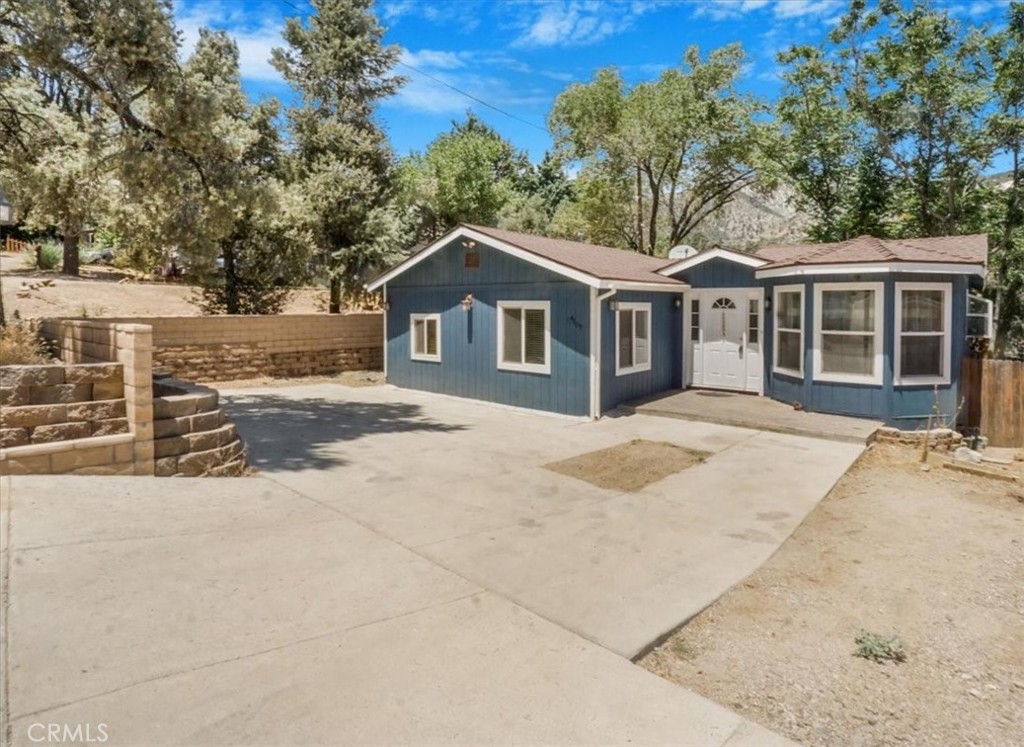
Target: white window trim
{"points": [[413, 355], [636, 368], [988, 315], [776, 368], [947, 334], [537, 368], [878, 364]]}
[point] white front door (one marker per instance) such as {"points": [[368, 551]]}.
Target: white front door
{"points": [[725, 336]]}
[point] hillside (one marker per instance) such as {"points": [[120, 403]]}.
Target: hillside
{"points": [[751, 220]]}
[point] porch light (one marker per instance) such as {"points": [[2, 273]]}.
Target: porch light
{"points": [[768, 303], [677, 302], [613, 305]]}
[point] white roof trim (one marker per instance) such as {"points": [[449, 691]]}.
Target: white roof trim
{"points": [[636, 285], [709, 254], [872, 268], [523, 254]]}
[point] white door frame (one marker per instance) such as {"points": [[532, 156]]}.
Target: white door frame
{"points": [[701, 293]]}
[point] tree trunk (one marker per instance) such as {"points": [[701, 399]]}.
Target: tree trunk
{"points": [[230, 281], [639, 212], [334, 306], [71, 254]]}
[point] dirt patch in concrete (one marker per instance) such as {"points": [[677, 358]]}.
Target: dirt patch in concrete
{"points": [[631, 466], [935, 557]]}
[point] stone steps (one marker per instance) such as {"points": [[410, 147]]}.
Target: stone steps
{"points": [[192, 436]]}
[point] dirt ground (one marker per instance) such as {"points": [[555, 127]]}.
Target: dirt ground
{"points": [[104, 291], [630, 466], [934, 557], [346, 378]]}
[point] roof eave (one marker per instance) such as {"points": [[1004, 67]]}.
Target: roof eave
{"points": [[851, 268]]}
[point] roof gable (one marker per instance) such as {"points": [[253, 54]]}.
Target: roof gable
{"points": [[592, 265], [676, 266]]}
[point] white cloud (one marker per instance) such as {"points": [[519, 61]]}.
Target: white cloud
{"points": [[721, 10], [432, 96], [254, 37], [438, 59], [806, 8], [576, 22]]}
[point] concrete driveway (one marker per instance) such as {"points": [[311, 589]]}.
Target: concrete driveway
{"points": [[463, 484], [402, 572]]}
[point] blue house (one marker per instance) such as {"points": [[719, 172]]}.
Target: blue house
{"points": [[864, 327]]}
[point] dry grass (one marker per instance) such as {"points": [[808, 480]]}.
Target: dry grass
{"points": [[21, 345], [629, 467]]}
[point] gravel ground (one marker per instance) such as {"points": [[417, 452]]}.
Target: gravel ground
{"points": [[935, 557]]}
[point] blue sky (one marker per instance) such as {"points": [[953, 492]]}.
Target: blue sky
{"points": [[517, 55]]}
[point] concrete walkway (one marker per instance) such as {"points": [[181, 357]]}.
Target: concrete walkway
{"points": [[751, 411], [403, 571]]}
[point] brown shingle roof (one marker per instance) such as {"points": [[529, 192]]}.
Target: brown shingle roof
{"points": [[972, 249], [601, 262]]}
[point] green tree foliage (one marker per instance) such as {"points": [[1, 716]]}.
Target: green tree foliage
{"points": [[337, 62], [262, 250], [1006, 127], [471, 174], [668, 152], [891, 125]]}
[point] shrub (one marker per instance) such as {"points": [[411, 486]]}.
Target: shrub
{"points": [[879, 648], [50, 254], [20, 344]]}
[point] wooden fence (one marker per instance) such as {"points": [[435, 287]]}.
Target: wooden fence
{"points": [[14, 245], [994, 399]]}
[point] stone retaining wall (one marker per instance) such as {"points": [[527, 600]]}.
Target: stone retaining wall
{"points": [[939, 439], [43, 404], [131, 345], [193, 437], [225, 348]]}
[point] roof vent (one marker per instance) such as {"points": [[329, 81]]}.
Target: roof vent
{"points": [[682, 251]]}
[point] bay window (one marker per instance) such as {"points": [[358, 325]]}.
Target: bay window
{"points": [[789, 330], [923, 342], [848, 332]]}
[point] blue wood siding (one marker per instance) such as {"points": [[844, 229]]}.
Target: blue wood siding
{"points": [[666, 339], [719, 273], [906, 407], [469, 345]]}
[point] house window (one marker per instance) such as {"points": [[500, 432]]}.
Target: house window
{"points": [[524, 336], [695, 320], [472, 260], [426, 337], [633, 333], [848, 332], [923, 342], [789, 330], [979, 317]]}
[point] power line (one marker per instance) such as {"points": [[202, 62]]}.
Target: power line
{"points": [[474, 98], [449, 85]]}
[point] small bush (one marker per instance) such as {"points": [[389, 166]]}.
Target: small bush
{"points": [[20, 345], [51, 256], [879, 648]]}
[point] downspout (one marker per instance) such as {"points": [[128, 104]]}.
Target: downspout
{"points": [[385, 302], [595, 349]]}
